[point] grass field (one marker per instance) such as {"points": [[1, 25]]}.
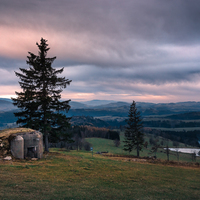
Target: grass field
{"points": [[78, 175], [100, 145]]}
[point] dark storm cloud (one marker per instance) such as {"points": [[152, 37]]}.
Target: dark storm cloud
{"points": [[112, 32], [88, 79], [126, 79], [171, 21], [114, 43], [9, 63], [7, 74]]}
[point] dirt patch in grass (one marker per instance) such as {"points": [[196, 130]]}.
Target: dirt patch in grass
{"points": [[130, 158], [7, 132]]}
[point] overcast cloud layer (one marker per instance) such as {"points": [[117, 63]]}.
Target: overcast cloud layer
{"points": [[111, 49]]}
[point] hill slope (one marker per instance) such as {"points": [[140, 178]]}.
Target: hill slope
{"points": [[6, 105]]}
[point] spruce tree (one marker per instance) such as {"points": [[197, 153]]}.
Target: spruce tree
{"points": [[134, 137], [39, 101]]}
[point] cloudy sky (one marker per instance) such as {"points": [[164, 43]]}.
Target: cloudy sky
{"points": [[142, 50]]}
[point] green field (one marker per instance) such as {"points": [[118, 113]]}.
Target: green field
{"points": [[103, 145], [78, 175]]}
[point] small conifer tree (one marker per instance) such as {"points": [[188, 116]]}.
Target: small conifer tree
{"points": [[39, 101], [134, 137]]}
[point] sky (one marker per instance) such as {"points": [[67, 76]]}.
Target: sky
{"points": [[142, 50]]}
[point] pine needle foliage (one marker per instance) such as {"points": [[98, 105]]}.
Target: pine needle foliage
{"points": [[39, 101], [134, 137]]}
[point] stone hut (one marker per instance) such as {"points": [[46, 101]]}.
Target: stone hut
{"points": [[21, 143]]}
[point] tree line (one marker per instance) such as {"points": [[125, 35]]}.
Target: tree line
{"points": [[186, 137], [78, 135], [170, 123]]}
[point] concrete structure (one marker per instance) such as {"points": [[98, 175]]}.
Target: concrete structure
{"points": [[27, 145], [17, 147]]}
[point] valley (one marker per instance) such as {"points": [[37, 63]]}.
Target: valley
{"points": [[179, 122]]}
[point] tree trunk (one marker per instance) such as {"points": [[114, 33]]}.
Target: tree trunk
{"points": [[46, 143], [138, 152]]}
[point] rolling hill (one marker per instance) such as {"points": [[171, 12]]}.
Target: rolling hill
{"points": [[6, 105], [111, 110]]}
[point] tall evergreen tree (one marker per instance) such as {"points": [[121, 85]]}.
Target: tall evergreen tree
{"points": [[39, 101], [134, 137]]}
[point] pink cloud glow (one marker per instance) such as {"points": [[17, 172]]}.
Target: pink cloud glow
{"points": [[114, 50]]}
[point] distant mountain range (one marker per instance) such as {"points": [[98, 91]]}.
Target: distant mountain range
{"points": [[6, 105], [99, 108], [95, 104], [121, 108], [6, 99]]}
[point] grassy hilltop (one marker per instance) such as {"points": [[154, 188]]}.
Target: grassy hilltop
{"points": [[78, 175]]}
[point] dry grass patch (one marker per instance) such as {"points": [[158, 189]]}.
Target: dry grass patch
{"points": [[127, 158], [7, 132]]}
